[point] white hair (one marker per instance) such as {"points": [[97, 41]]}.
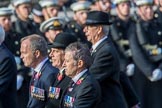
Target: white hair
{"points": [[2, 35]]}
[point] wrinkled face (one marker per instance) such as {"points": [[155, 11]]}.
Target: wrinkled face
{"points": [[146, 12], [5, 22], [27, 55], [24, 10], [57, 57], [70, 65], [80, 17], [90, 32], [123, 8], [52, 11]]}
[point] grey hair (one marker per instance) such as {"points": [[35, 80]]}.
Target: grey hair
{"points": [[37, 43], [80, 51]]}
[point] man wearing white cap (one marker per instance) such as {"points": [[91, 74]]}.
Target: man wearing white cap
{"points": [[52, 27], [23, 24], [146, 50], [50, 8], [12, 38], [38, 17], [80, 9], [7, 75]]}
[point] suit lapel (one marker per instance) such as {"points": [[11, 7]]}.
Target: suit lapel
{"points": [[66, 92], [83, 76], [100, 46]]}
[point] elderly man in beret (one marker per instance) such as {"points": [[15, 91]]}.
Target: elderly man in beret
{"points": [[57, 54], [105, 67]]}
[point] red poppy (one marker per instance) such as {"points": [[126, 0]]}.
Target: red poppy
{"points": [[37, 76], [59, 77]]}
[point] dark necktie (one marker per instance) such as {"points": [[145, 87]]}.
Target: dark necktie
{"points": [[33, 78], [71, 83], [91, 51]]}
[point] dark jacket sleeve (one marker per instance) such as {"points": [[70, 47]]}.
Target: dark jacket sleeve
{"points": [[87, 97], [102, 68], [7, 71], [141, 60]]}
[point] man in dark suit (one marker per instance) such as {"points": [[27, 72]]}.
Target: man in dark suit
{"points": [[57, 53], [34, 54], [105, 67], [7, 75], [84, 90]]}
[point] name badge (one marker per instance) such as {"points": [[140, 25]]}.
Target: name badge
{"points": [[54, 92], [37, 93], [68, 101]]}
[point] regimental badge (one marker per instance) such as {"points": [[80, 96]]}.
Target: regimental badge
{"points": [[54, 92], [70, 89], [68, 101], [56, 23], [37, 93]]}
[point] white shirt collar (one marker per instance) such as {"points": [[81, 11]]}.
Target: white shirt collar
{"points": [[97, 43], [75, 79], [40, 65]]}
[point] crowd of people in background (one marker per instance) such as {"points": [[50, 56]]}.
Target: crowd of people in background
{"points": [[96, 54]]}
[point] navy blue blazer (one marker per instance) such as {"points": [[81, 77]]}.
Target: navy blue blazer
{"points": [[85, 94], [105, 69], [8, 74], [38, 98]]}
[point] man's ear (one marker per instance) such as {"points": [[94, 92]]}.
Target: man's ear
{"points": [[37, 53], [80, 63]]}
